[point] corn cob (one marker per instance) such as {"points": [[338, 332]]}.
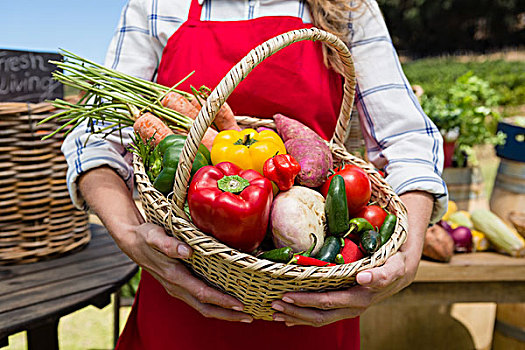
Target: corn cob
{"points": [[498, 233]]}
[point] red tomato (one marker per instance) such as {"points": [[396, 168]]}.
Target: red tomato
{"points": [[374, 214], [357, 185]]}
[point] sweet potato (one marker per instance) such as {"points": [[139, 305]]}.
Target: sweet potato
{"points": [[315, 159], [289, 128], [438, 244], [308, 148]]}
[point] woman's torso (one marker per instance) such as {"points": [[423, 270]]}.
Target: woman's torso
{"points": [[293, 82]]}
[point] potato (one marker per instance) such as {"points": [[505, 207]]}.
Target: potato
{"points": [[438, 244], [295, 215]]}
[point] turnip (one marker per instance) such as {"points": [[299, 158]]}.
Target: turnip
{"points": [[295, 215]]}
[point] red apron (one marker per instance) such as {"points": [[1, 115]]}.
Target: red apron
{"points": [[293, 82]]}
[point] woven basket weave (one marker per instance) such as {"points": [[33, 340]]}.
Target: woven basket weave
{"points": [[37, 218], [258, 282]]}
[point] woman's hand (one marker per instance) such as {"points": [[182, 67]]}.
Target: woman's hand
{"points": [[374, 285], [158, 253], [151, 248]]}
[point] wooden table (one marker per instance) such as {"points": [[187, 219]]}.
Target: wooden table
{"points": [[475, 277], [33, 297], [419, 316]]}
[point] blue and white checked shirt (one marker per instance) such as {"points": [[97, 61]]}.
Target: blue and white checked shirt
{"points": [[398, 134]]}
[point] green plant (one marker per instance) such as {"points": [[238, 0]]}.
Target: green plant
{"points": [[436, 75], [466, 116]]}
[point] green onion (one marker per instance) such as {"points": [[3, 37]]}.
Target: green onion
{"points": [[111, 96]]}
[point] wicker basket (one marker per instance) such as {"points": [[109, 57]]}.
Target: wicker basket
{"points": [[257, 282], [37, 218]]}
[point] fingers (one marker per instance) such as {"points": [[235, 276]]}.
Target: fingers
{"points": [[212, 311], [175, 275], [156, 237], [318, 309], [205, 294], [161, 261], [226, 308], [355, 297], [381, 277], [294, 315]]}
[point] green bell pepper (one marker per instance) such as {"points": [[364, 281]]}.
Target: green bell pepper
{"points": [[169, 150], [175, 139]]}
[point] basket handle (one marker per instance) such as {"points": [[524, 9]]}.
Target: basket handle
{"points": [[226, 86]]}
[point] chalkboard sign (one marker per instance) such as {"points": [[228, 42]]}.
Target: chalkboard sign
{"points": [[26, 76]]}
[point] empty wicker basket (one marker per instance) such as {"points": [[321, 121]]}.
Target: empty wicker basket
{"points": [[37, 218]]}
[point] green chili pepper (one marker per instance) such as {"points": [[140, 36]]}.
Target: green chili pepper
{"points": [[358, 225], [311, 249], [336, 206], [387, 228], [283, 255], [330, 248], [339, 259], [370, 242]]}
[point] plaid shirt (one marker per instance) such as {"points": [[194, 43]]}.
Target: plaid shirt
{"points": [[398, 135]]}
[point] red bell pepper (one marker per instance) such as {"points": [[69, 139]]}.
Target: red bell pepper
{"points": [[231, 204], [282, 169], [351, 252]]}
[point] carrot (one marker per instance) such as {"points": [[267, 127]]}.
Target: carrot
{"points": [[208, 138], [224, 120], [149, 127], [197, 102], [179, 103]]}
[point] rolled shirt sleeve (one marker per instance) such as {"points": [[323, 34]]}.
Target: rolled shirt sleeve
{"points": [[85, 151], [398, 135]]}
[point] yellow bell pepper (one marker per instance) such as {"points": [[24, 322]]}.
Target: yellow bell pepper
{"points": [[248, 149]]}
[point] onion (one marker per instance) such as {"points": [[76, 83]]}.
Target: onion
{"points": [[445, 225], [462, 237]]}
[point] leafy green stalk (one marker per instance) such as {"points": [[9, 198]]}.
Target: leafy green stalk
{"points": [[108, 95]]}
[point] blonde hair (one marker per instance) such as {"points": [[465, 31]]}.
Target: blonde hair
{"points": [[333, 16]]}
